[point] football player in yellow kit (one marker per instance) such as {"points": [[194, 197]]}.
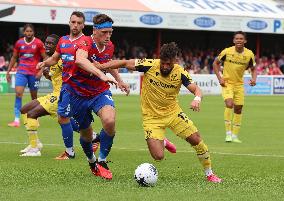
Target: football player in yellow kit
{"points": [[160, 109], [42, 106], [236, 60]]}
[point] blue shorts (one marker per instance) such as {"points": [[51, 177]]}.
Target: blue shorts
{"points": [[24, 80], [80, 108]]}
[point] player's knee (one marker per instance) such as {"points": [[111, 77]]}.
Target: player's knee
{"points": [[238, 110], [32, 115], [229, 105], [109, 125], [158, 157]]}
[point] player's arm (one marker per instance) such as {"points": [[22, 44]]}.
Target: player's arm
{"points": [[252, 65], [83, 62], [217, 66], [124, 87], [194, 89], [49, 61], [115, 64], [13, 60]]}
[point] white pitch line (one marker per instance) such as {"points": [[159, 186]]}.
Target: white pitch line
{"points": [[179, 151]]}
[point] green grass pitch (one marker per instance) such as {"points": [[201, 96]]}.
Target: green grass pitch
{"points": [[252, 170]]}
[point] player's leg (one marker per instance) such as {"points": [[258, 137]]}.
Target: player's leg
{"points": [[21, 82], [103, 106], [237, 117], [84, 117], [154, 132], [227, 93], [64, 114], [184, 128], [33, 85], [32, 129], [24, 110], [203, 155]]}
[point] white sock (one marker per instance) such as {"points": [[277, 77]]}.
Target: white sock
{"points": [[93, 159], [17, 119], [208, 172], [70, 151], [234, 136], [100, 159], [228, 133]]}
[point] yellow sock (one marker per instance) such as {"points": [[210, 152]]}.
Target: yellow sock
{"points": [[203, 155], [237, 118], [228, 119], [25, 117], [32, 126]]}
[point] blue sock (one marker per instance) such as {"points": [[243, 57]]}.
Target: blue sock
{"points": [[87, 148], [67, 134], [75, 125], [18, 105], [105, 145]]}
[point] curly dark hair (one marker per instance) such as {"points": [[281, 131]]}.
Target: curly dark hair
{"points": [[56, 37], [169, 51], [101, 18]]}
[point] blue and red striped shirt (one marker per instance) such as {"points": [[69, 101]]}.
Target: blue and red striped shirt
{"points": [[83, 82], [29, 55]]}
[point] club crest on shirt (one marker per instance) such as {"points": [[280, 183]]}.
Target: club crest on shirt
{"points": [[34, 46]]}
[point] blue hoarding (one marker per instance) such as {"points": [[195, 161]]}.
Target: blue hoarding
{"points": [[263, 86]]}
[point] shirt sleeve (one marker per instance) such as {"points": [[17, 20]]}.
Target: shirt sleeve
{"points": [[222, 56], [252, 62], [186, 78], [41, 47], [84, 44], [143, 65]]}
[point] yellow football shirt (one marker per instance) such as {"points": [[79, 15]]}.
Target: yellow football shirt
{"points": [[55, 73], [159, 94], [235, 64]]}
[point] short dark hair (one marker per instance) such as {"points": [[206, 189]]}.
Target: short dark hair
{"points": [[101, 18], [56, 37], [169, 51], [29, 25], [240, 32], [78, 14]]}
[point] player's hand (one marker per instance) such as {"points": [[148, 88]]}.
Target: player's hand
{"points": [[252, 82], [40, 65], [8, 77], [222, 82], [109, 80], [195, 105], [45, 73], [124, 87]]}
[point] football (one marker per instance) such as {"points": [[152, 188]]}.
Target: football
{"points": [[146, 175]]}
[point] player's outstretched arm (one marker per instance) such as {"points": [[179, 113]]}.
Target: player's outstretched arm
{"points": [[216, 68], [194, 89], [124, 87], [115, 64], [49, 61], [83, 62]]}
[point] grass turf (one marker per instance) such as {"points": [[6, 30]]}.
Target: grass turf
{"points": [[252, 170]]}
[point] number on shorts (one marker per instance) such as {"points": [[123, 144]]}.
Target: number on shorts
{"points": [[183, 116], [36, 84], [53, 99], [68, 109], [109, 97]]}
